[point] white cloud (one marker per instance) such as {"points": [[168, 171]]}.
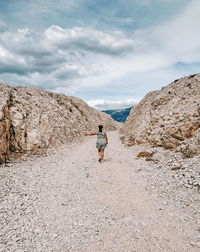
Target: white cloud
{"points": [[89, 39], [60, 58], [10, 62], [4, 53], [68, 60], [180, 38], [112, 104]]}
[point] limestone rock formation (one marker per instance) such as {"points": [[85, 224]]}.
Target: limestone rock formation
{"points": [[32, 119], [169, 117]]}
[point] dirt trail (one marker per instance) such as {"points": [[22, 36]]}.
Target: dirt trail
{"points": [[68, 201]]}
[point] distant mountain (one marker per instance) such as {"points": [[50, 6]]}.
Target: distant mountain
{"points": [[118, 115]]}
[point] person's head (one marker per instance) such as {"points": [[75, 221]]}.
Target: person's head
{"points": [[100, 128]]}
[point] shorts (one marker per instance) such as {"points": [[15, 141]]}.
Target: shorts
{"points": [[101, 145]]}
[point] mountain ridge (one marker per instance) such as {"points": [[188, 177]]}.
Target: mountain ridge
{"points": [[119, 115]]}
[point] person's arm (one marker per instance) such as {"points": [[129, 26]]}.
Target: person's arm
{"points": [[106, 139], [90, 134]]}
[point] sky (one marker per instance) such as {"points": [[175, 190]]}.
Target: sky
{"points": [[108, 53]]}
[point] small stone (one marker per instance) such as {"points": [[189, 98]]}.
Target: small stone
{"points": [[144, 154]]}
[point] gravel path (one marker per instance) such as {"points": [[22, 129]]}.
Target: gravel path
{"points": [[68, 201]]}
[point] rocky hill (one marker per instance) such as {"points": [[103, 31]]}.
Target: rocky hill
{"points": [[119, 115], [169, 118], [32, 119]]}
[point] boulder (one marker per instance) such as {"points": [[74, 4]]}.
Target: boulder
{"points": [[169, 118], [32, 119]]}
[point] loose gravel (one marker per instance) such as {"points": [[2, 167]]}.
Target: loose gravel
{"points": [[67, 201]]}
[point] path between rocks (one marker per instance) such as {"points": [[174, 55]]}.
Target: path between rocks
{"points": [[68, 201]]}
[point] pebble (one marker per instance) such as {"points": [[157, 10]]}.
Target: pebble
{"points": [[45, 206]]}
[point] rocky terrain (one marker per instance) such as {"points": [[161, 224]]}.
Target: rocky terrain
{"points": [[169, 118], [140, 198], [65, 200], [32, 120]]}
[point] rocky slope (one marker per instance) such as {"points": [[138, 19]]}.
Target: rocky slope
{"points": [[169, 118], [32, 119]]}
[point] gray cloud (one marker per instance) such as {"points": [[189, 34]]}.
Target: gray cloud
{"points": [[58, 55], [3, 26], [90, 40], [67, 73], [12, 68], [84, 58]]}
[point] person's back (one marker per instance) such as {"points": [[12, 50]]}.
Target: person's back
{"points": [[101, 135]]}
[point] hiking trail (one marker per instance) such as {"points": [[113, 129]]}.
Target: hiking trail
{"points": [[68, 201]]}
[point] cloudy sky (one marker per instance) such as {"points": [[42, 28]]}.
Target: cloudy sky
{"points": [[108, 53]]}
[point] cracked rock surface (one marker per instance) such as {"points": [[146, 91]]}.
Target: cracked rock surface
{"points": [[169, 118], [31, 120]]}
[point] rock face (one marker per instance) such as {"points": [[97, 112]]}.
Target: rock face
{"points": [[32, 119], [169, 117]]}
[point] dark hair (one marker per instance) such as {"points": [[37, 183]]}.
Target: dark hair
{"points": [[100, 128]]}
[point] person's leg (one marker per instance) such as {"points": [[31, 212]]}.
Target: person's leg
{"points": [[102, 154], [99, 154]]}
